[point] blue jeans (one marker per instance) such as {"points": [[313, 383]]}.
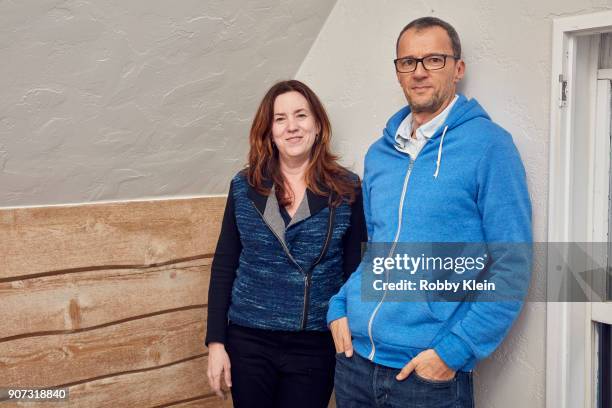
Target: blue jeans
{"points": [[360, 383]]}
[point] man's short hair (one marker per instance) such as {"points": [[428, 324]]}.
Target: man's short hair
{"points": [[427, 22]]}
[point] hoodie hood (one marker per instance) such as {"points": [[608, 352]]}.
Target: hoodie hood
{"points": [[463, 111]]}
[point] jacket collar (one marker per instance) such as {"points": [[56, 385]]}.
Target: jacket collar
{"points": [[259, 199], [316, 202]]}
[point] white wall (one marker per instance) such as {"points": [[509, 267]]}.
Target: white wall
{"points": [[507, 49], [114, 100]]}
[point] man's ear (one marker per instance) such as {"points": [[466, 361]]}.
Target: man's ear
{"points": [[459, 71]]}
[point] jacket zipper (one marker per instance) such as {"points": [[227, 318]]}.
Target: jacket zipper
{"points": [[397, 234], [307, 275], [307, 282]]}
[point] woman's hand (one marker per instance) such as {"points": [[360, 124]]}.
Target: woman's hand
{"points": [[342, 336], [218, 367]]}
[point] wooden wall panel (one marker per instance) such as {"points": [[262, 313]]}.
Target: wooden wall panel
{"points": [[150, 388], [79, 300], [109, 300], [145, 389], [40, 240], [133, 345]]}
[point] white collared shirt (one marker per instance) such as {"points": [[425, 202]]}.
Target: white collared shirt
{"points": [[412, 146]]}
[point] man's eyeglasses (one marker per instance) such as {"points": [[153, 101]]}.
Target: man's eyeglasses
{"points": [[430, 62]]}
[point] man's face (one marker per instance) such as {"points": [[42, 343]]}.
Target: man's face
{"points": [[427, 91]]}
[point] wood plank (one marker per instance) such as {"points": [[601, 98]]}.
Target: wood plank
{"points": [[142, 389], [85, 299], [146, 389], [45, 361], [42, 239]]}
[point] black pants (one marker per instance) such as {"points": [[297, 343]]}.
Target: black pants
{"points": [[279, 368]]}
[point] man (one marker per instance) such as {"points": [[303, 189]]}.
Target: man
{"points": [[441, 172]]}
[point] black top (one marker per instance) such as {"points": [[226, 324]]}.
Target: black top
{"points": [[227, 254], [285, 214]]}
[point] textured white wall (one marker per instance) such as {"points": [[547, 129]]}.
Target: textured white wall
{"points": [[113, 100], [507, 48]]}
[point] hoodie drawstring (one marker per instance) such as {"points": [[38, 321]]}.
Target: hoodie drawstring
{"points": [[440, 153]]}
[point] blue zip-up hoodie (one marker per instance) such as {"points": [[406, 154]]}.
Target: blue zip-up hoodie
{"points": [[466, 185]]}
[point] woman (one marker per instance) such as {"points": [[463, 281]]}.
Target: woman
{"points": [[291, 235]]}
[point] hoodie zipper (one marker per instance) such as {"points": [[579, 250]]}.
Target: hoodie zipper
{"points": [[307, 275], [397, 234]]}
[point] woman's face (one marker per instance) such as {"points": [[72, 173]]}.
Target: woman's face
{"points": [[294, 128]]}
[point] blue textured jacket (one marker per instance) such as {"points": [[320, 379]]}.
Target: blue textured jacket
{"points": [[281, 278]]}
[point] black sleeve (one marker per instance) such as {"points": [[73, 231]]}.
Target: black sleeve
{"points": [[356, 234], [222, 274]]}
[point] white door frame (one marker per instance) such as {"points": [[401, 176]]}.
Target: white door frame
{"points": [[569, 329]]}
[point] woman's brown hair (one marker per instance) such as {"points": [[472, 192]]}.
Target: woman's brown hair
{"points": [[324, 176]]}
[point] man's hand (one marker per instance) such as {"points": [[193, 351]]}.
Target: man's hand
{"points": [[342, 336], [218, 367], [428, 365]]}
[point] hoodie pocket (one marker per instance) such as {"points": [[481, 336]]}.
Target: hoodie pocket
{"points": [[442, 311], [406, 324]]}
